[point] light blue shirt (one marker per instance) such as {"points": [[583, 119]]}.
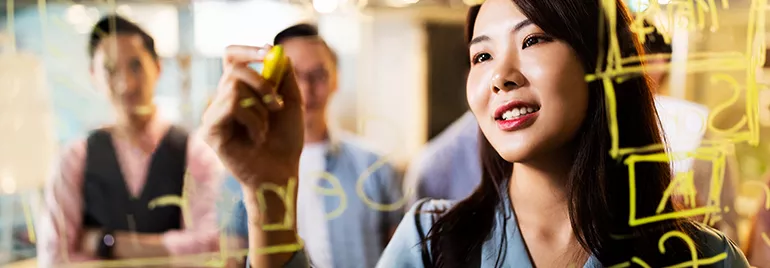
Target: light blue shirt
{"points": [[404, 250], [359, 233], [449, 167]]}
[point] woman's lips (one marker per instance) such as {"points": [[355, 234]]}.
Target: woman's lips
{"points": [[517, 123]]}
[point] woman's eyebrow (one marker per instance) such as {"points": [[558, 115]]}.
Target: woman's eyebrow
{"points": [[521, 25], [516, 28], [478, 39]]}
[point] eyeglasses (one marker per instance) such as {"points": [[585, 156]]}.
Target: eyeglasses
{"points": [[320, 75]]}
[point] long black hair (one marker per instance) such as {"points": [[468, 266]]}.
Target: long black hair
{"points": [[598, 186]]}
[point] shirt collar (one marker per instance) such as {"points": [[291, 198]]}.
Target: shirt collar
{"points": [[153, 133], [333, 142]]}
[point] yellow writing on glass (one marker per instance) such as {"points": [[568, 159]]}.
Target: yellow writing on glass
{"points": [[682, 184], [723, 106], [179, 201], [693, 262], [173, 200], [335, 190], [362, 194], [715, 155], [210, 259], [689, 14], [215, 259], [286, 193], [28, 221], [612, 68]]}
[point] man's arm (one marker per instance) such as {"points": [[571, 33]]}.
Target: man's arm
{"points": [[414, 178], [128, 245], [200, 235], [259, 239], [59, 235], [390, 185], [205, 181]]}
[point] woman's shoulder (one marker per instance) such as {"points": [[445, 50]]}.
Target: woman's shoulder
{"points": [[714, 245], [427, 210], [405, 248]]}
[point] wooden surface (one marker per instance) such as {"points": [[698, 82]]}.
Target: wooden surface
{"points": [[29, 263]]}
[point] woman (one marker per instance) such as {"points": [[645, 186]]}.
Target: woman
{"points": [[551, 195]]}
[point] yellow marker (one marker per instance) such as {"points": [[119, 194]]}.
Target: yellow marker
{"points": [[274, 65], [273, 69]]}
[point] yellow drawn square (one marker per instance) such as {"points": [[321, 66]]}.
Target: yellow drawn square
{"points": [[714, 154]]}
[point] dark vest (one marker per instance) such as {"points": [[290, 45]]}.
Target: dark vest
{"points": [[108, 203]]}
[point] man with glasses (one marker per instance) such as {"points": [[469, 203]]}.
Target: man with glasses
{"points": [[338, 227]]}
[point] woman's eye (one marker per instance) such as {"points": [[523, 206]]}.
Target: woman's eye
{"points": [[532, 40], [478, 58]]}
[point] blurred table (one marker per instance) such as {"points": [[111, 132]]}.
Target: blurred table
{"points": [[28, 263]]}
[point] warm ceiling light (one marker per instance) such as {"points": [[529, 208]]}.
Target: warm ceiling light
{"points": [[325, 6]]}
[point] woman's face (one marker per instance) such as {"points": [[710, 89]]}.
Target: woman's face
{"points": [[526, 88]]}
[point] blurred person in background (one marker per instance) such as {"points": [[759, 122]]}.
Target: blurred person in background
{"points": [[356, 237], [99, 205], [682, 123], [757, 244], [449, 166]]}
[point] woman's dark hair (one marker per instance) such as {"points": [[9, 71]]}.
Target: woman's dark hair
{"points": [[114, 24], [598, 185]]}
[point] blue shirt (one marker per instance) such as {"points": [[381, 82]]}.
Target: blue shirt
{"points": [[449, 167], [404, 250], [359, 233]]}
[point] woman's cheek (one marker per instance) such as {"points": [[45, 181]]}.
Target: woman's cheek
{"points": [[475, 101], [477, 89]]}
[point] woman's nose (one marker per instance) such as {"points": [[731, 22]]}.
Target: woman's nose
{"points": [[506, 79]]}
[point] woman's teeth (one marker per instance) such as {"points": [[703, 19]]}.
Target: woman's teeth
{"points": [[519, 112]]}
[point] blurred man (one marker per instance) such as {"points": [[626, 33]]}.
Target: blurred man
{"points": [[357, 236], [449, 166], [103, 202]]}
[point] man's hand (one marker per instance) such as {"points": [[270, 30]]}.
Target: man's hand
{"points": [[258, 141], [257, 131]]}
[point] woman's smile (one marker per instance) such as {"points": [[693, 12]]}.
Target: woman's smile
{"points": [[515, 115]]}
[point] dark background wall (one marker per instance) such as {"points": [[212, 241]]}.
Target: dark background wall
{"points": [[447, 71]]}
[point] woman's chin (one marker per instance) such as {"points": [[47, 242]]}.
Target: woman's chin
{"points": [[515, 155]]}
